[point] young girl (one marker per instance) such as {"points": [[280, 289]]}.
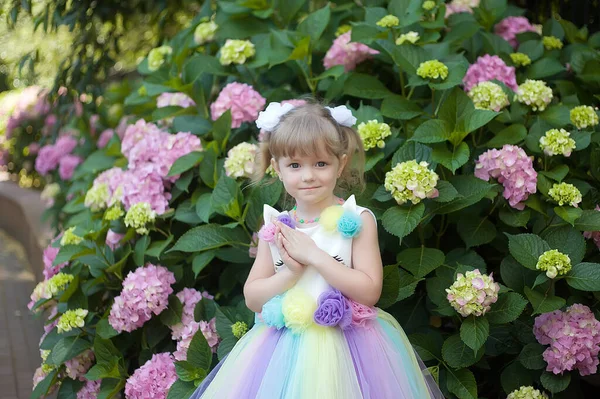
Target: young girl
{"points": [[316, 279]]}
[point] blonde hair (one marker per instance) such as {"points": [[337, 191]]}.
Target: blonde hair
{"points": [[306, 130]]}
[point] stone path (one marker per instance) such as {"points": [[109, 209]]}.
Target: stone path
{"points": [[20, 331]]}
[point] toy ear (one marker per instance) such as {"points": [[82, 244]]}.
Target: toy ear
{"points": [[350, 204], [270, 213]]}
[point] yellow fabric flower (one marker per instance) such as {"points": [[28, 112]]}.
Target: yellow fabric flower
{"points": [[298, 309], [330, 216]]}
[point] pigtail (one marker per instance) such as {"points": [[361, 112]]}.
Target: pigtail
{"points": [[352, 179]]}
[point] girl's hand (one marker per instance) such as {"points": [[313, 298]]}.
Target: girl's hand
{"points": [[294, 266], [297, 244]]}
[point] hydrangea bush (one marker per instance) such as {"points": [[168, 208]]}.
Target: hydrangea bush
{"points": [[483, 162]]}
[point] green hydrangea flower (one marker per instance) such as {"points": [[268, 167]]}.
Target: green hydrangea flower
{"points": [[526, 392], [584, 116], [240, 160], [411, 181], [520, 59], [565, 193], [138, 216], [58, 283], [342, 29], [554, 263], [389, 21], [157, 56], [534, 93], [488, 95], [205, 32], [429, 5], [236, 51], [432, 69], [50, 191], [70, 238], [71, 319], [411, 37], [472, 293], [552, 42], [239, 329], [114, 213], [97, 197], [46, 368], [557, 141], [372, 134]]}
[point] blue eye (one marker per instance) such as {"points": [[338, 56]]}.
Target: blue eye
{"points": [[321, 164], [294, 165]]}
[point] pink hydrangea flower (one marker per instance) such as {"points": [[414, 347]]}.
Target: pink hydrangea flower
{"points": [[144, 144], [47, 159], [253, 250], [113, 239], [189, 298], [346, 53], [490, 67], [183, 334], [209, 330], [105, 137], [510, 27], [153, 379], [67, 166], [143, 184], [48, 257], [178, 99], [574, 339], [244, 102], [65, 144], [513, 169], [79, 365], [90, 390], [145, 293], [295, 102], [595, 235], [34, 148]]}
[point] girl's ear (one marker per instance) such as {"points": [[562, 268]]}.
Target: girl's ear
{"points": [[275, 165]]}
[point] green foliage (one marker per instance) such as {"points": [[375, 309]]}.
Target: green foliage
{"points": [[205, 236]]}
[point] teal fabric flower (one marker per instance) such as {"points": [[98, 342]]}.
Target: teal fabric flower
{"points": [[272, 314], [349, 224]]}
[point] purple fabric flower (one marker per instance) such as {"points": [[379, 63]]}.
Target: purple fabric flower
{"points": [[287, 220], [333, 310]]}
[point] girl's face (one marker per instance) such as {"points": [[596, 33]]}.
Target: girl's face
{"points": [[310, 179]]}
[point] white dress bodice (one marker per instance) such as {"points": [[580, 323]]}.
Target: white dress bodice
{"points": [[336, 245]]}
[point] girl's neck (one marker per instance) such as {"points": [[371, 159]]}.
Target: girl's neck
{"points": [[310, 211]]}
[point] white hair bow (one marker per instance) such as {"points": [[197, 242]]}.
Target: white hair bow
{"points": [[270, 117], [342, 115]]}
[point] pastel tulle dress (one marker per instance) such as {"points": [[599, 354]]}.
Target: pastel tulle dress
{"points": [[313, 343]]}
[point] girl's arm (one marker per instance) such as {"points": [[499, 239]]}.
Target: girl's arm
{"points": [[263, 283], [362, 283]]}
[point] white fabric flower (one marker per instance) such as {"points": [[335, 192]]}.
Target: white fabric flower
{"points": [[342, 115], [270, 117]]}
